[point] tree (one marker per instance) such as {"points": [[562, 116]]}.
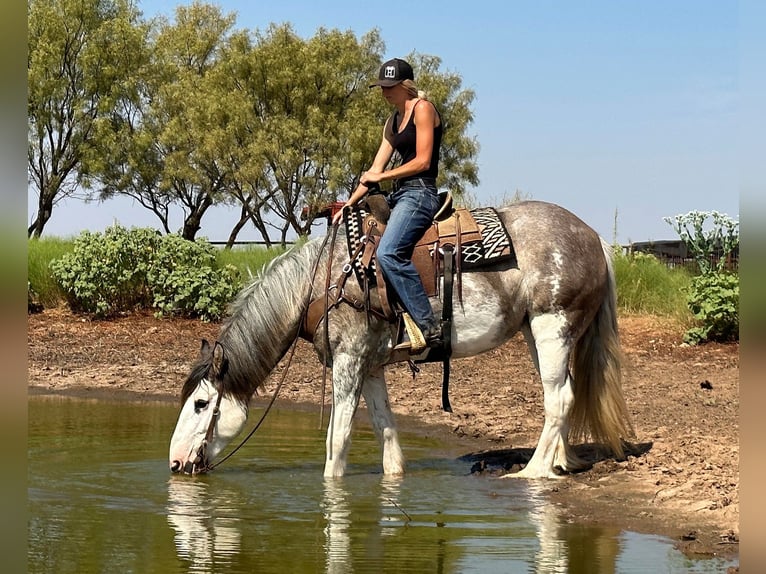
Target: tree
{"points": [[302, 104], [81, 55], [267, 121], [312, 125], [194, 111], [457, 165], [166, 146]]}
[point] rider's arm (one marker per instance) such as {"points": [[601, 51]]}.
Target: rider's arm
{"points": [[382, 157]]}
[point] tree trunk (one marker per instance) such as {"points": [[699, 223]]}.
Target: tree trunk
{"points": [[44, 212], [261, 227], [193, 222], [243, 217]]}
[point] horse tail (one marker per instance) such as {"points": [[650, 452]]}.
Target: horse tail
{"points": [[599, 405]]}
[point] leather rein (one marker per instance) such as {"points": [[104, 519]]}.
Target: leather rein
{"points": [[202, 450]]}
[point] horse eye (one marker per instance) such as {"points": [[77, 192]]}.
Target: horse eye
{"points": [[200, 404]]}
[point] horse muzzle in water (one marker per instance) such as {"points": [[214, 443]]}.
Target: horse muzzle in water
{"points": [[199, 465]]}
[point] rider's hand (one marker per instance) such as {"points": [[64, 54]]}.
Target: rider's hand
{"points": [[369, 177], [339, 214]]}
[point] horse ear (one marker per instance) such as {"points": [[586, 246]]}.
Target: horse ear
{"points": [[205, 348], [220, 362]]}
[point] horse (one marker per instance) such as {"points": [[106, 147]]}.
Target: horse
{"points": [[559, 292]]}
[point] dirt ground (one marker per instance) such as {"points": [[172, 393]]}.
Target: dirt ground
{"points": [[681, 480]]}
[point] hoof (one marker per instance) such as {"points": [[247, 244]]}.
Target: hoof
{"points": [[527, 473]]}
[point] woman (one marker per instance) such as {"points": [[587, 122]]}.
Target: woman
{"points": [[414, 130]]}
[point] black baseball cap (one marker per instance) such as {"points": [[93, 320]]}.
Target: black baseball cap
{"points": [[393, 72]]}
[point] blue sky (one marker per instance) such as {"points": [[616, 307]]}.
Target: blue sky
{"points": [[626, 109]]}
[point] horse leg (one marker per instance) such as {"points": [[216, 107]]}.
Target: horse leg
{"points": [[551, 357], [347, 385], [565, 457], [376, 397]]}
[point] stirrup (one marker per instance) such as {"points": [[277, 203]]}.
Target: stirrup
{"points": [[416, 343]]}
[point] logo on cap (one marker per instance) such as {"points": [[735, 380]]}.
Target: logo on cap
{"points": [[392, 73]]}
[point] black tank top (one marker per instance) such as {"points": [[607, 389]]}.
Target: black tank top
{"points": [[404, 142]]}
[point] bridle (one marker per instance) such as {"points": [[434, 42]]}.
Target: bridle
{"points": [[202, 450]]}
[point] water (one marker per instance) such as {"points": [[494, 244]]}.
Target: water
{"points": [[101, 500]]}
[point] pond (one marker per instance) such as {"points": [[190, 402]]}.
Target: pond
{"points": [[101, 499]]}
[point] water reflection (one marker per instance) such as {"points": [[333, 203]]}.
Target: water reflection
{"points": [[337, 513], [370, 515], [204, 518], [566, 548], [552, 557]]}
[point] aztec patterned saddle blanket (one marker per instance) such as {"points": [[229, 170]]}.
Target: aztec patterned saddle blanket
{"points": [[477, 237]]}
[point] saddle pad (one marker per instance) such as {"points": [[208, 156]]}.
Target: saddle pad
{"points": [[495, 243], [484, 242]]}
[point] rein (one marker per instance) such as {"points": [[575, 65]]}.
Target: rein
{"points": [[217, 413], [217, 409]]}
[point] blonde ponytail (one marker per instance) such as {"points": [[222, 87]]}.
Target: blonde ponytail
{"points": [[413, 91]]}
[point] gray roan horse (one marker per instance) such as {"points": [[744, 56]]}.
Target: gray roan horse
{"points": [[560, 293]]}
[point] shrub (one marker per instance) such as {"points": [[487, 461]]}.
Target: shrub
{"points": [[105, 274], [722, 235], [714, 302], [122, 270], [714, 295], [184, 281]]}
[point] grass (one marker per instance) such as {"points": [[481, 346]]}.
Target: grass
{"points": [[248, 259], [646, 286], [40, 253]]}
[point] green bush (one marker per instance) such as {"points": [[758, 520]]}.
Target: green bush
{"points": [[184, 280], [105, 274], [122, 270], [714, 302], [714, 295]]}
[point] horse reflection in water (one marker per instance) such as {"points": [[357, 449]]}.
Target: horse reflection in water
{"points": [[337, 511], [363, 531], [560, 293], [207, 532], [565, 547], [360, 536]]}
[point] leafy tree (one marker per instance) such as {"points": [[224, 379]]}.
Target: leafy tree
{"points": [[267, 121], [312, 125], [164, 147], [456, 166], [81, 56], [303, 106], [126, 156]]}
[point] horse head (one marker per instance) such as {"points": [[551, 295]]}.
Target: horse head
{"points": [[210, 416]]}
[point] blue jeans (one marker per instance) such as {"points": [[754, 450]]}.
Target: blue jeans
{"points": [[412, 212]]}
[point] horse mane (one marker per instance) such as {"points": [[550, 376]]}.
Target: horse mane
{"points": [[262, 321]]}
